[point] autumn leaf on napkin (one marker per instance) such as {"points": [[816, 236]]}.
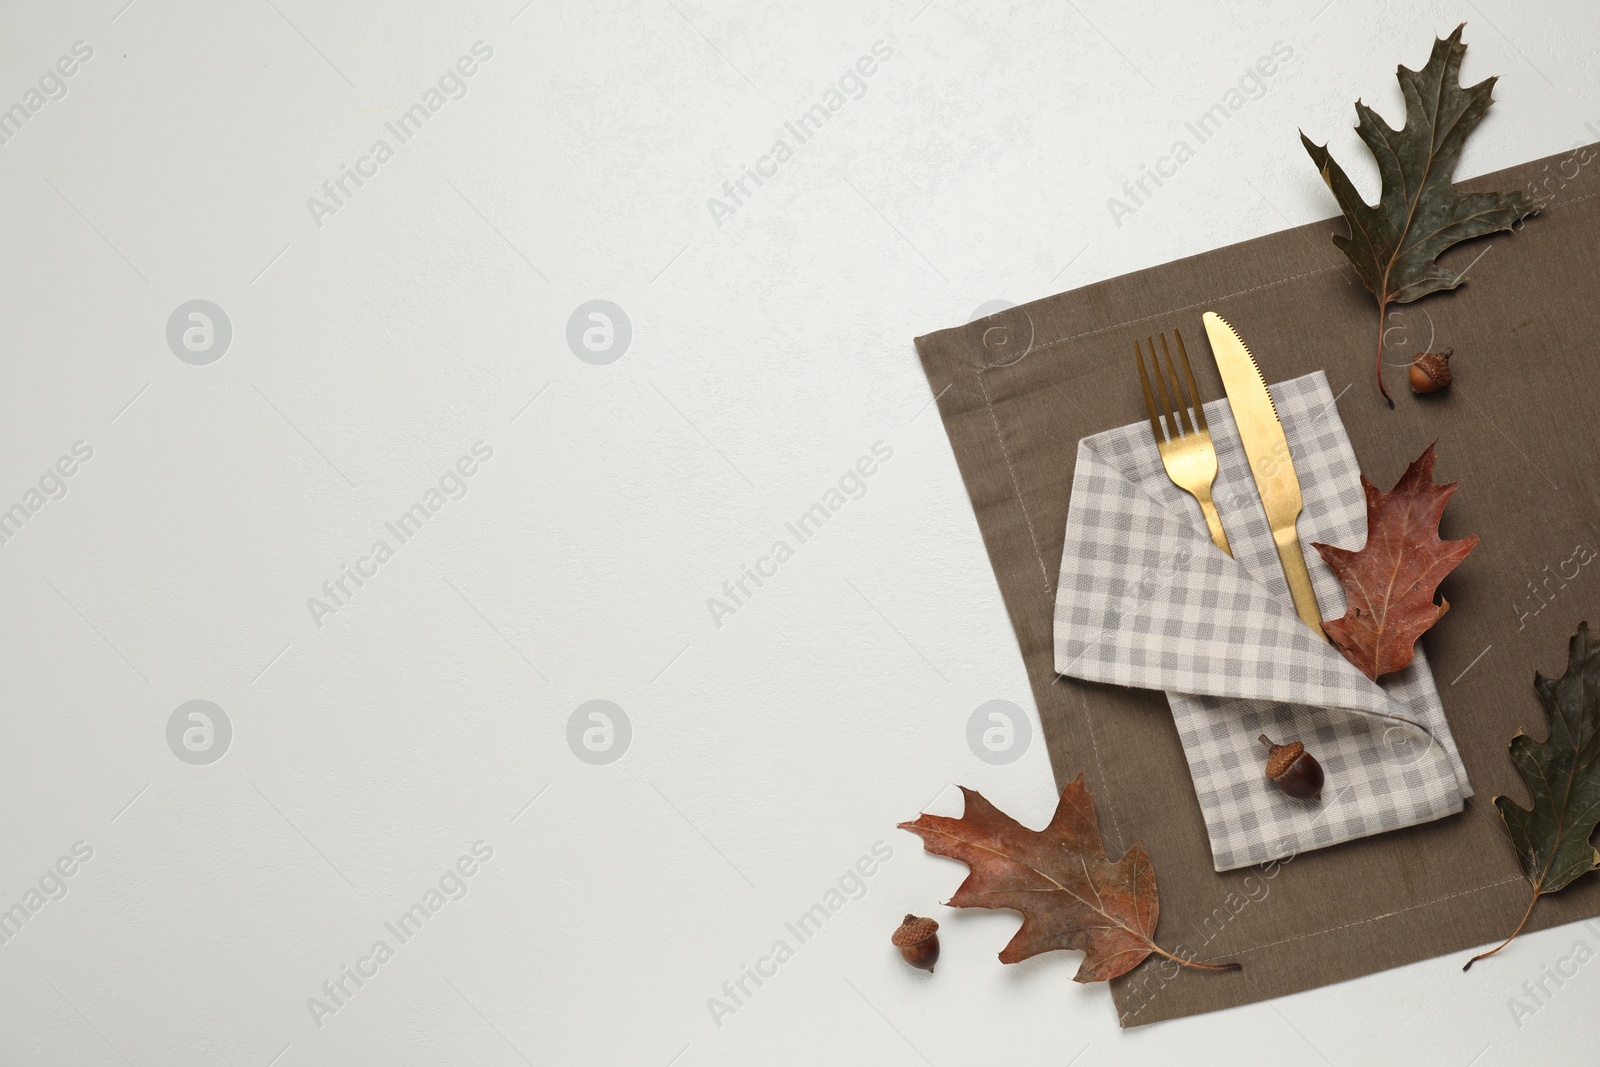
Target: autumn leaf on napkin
{"points": [[1070, 895], [1390, 582], [1420, 212], [1563, 776]]}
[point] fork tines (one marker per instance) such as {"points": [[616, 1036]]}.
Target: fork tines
{"points": [[1185, 443], [1176, 419]]}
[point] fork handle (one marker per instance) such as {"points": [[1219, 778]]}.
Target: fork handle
{"points": [[1219, 536]]}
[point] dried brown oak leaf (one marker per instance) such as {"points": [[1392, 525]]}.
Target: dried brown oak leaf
{"points": [[1070, 895], [1419, 213], [1390, 583]]}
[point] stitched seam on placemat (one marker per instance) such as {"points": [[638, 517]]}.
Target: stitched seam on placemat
{"points": [[1345, 926], [1373, 919], [1038, 554], [1016, 484], [1186, 307], [1578, 199], [1094, 743], [1228, 296]]}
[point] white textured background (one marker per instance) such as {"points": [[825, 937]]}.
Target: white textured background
{"points": [[767, 354]]}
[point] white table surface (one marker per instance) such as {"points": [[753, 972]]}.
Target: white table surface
{"points": [[377, 338]]}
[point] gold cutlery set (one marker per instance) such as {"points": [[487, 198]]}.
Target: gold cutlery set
{"points": [[1178, 421]]}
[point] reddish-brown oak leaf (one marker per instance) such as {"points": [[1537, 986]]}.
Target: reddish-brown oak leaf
{"points": [[1070, 895], [1390, 583]]}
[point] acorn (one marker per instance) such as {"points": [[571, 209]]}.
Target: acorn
{"points": [[1293, 769], [1430, 371], [918, 942]]}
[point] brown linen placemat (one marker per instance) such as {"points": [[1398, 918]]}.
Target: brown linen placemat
{"points": [[1518, 430]]}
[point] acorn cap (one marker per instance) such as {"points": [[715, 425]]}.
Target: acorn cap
{"points": [[913, 931], [1436, 365], [1283, 757]]}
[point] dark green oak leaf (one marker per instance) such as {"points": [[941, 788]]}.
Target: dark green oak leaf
{"points": [[1563, 776], [1420, 213]]}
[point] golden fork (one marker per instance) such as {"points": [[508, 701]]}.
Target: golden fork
{"points": [[1186, 448]]}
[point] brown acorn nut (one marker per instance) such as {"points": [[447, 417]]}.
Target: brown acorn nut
{"points": [[1430, 371], [1293, 769], [918, 942]]}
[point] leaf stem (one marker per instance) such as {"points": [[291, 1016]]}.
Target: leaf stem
{"points": [[1194, 963], [1507, 941], [1383, 310]]}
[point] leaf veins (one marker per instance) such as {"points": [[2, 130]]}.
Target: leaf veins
{"points": [[1420, 213], [1389, 584], [1563, 776], [1070, 895]]}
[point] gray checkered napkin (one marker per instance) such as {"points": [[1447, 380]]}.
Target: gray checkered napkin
{"points": [[1145, 599]]}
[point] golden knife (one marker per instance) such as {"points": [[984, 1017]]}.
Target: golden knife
{"points": [[1270, 463]]}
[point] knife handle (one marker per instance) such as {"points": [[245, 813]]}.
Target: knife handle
{"points": [[1294, 570]]}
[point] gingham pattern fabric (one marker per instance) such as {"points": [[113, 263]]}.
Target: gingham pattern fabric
{"points": [[1145, 599]]}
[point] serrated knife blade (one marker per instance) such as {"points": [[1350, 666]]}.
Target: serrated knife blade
{"points": [[1267, 449]]}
